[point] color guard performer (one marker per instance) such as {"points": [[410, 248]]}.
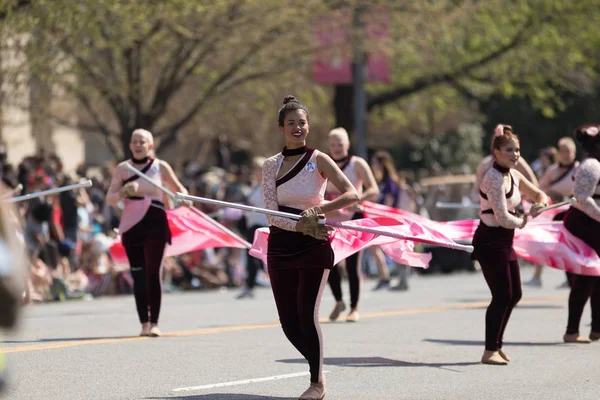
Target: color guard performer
{"points": [[144, 228], [359, 173], [299, 253], [500, 194], [557, 182], [583, 220]]}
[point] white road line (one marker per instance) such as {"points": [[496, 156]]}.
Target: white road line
{"points": [[244, 382]]}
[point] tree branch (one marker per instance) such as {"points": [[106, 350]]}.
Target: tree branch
{"points": [[20, 5], [268, 37], [98, 81], [426, 82]]}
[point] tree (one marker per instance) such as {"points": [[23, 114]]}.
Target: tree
{"points": [[476, 48], [157, 65]]}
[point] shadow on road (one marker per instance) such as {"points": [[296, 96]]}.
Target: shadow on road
{"points": [[370, 362], [526, 307], [81, 339], [223, 396], [482, 343]]}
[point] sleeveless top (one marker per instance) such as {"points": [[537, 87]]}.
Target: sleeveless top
{"points": [[562, 184], [332, 193], [136, 206], [302, 187], [349, 169]]}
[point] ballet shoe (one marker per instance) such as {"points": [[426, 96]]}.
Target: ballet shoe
{"points": [[493, 358], [594, 336], [337, 310], [353, 316], [316, 391], [154, 331], [575, 338], [503, 355], [145, 329]]}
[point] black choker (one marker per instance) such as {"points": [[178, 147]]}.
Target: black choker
{"points": [[500, 168], [341, 160], [139, 161], [566, 165], [293, 152]]}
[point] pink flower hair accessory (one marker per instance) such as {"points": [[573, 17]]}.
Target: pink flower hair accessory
{"points": [[499, 131], [592, 131]]}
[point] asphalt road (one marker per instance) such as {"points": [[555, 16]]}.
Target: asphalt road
{"points": [[422, 344]]}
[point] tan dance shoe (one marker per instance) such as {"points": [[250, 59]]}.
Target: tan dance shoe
{"points": [[575, 338], [594, 336], [154, 331], [316, 391], [503, 355], [354, 316], [145, 329], [493, 358], [337, 310]]}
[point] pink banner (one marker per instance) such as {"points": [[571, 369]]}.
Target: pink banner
{"points": [[334, 54], [346, 242], [190, 232], [542, 241]]}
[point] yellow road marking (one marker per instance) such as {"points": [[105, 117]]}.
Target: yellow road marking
{"points": [[235, 328]]}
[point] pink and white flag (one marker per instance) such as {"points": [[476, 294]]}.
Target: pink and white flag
{"points": [[542, 241], [189, 231], [346, 242]]}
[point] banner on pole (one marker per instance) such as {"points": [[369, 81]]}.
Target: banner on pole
{"points": [[333, 42]]}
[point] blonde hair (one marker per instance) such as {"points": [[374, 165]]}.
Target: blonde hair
{"points": [[568, 142], [147, 134], [258, 161], [340, 133]]}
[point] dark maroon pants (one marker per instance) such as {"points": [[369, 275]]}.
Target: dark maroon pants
{"points": [[298, 267], [145, 246], [583, 287], [493, 250], [353, 271]]}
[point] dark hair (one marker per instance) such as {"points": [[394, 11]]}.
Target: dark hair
{"points": [[290, 103], [551, 152], [590, 144], [502, 134], [387, 165]]}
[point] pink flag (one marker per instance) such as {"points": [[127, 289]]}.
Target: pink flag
{"points": [[454, 230], [551, 244], [346, 242], [190, 232], [542, 241]]}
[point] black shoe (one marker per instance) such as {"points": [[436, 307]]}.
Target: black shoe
{"points": [[382, 284], [247, 293], [402, 286]]}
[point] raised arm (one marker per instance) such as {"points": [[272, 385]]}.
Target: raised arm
{"points": [[492, 186], [269, 191], [530, 191], [547, 178], [116, 184], [527, 172], [586, 181], [170, 179], [370, 184], [334, 174], [481, 170]]}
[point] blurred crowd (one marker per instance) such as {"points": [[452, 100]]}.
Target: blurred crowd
{"points": [[68, 235]]}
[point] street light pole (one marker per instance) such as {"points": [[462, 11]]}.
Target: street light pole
{"points": [[358, 81]]}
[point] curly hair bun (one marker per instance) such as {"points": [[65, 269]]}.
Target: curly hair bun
{"points": [[290, 99]]}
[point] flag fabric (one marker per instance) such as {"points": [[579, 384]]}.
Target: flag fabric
{"points": [[346, 242], [189, 231], [542, 241]]}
